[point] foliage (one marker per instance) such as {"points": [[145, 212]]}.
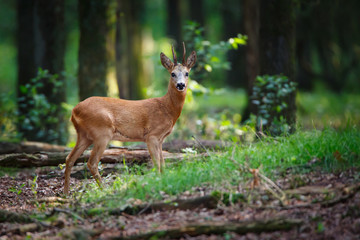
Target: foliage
{"points": [[209, 55], [219, 172], [7, 115], [269, 95], [42, 113]]}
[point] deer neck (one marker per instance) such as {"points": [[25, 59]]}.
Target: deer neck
{"points": [[174, 100]]}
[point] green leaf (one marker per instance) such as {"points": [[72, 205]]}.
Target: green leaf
{"points": [[208, 68], [23, 89]]}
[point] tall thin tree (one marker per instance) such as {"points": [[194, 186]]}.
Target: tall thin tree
{"points": [[92, 48], [270, 26], [41, 43]]}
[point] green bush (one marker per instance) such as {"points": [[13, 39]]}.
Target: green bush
{"points": [[269, 95], [43, 115]]}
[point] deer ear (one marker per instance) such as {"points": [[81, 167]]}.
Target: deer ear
{"points": [[166, 62], [190, 62]]}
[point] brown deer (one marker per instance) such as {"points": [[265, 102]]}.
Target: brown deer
{"points": [[98, 120]]}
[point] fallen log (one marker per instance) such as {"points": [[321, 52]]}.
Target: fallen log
{"points": [[29, 147], [254, 226], [13, 217], [208, 201], [41, 159]]}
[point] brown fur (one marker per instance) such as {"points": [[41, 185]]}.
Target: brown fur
{"points": [[98, 120]]}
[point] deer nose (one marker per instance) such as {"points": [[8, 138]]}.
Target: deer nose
{"points": [[180, 86]]}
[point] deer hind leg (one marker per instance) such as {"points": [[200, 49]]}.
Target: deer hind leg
{"points": [[82, 144], [154, 147], [162, 161], [93, 162]]}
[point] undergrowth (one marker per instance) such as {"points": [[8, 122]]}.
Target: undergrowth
{"points": [[331, 149]]}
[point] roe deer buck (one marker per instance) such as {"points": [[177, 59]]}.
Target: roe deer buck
{"points": [[98, 120]]}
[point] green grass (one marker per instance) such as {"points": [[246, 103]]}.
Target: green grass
{"points": [[324, 108], [219, 172]]}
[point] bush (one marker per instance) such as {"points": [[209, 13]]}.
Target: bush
{"points": [[269, 95], [42, 116]]}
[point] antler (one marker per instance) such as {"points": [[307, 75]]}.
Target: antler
{"points": [[174, 54], [184, 54]]}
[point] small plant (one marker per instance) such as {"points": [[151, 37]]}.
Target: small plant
{"points": [[269, 95], [209, 54], [17, 189], [34, 186]]}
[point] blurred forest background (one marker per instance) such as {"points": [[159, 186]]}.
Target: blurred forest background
{"points": [[55, 53]]}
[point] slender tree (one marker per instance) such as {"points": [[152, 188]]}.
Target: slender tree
{"points": [[196, 9], [174, 20], [232, 12], [277, 45], [41, 44], [122, 69], [93, 22], [270, 26], [251, 27], [129, 67]]}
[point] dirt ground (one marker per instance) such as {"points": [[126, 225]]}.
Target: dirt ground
{"points": [[328, 205]]}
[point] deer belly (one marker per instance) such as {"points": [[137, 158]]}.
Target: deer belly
{"points": [[125, 136]]}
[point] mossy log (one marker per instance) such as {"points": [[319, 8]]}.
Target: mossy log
{"points": [[138, 156], [255, 226]]}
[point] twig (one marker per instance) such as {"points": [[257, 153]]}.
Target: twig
{"points": [[276, 191], [75, 215], [202, 146]]}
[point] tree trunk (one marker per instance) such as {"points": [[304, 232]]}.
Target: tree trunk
{"points": [[41, 41], [251, 25], [93, 23], [174, 20], [122, 68], [196, 9], [270, 26], [231, 14], [277, 46], [129, 66], [26, 64]]}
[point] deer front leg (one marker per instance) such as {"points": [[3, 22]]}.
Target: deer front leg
{"points": [[93, 162], [154, 147]]}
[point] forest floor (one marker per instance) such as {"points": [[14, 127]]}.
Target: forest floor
{"points": [[318, 205]]}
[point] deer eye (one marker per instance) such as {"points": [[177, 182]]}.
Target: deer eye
{"points": [[173, 75], [187, 74]]}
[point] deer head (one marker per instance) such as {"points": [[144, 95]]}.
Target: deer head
{"points": [[179, 72]]}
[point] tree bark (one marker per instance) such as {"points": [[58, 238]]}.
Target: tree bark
{"points": [[93, 23], [233, 24], [174, 20], [196, 9], [122, 65], [129, 65], [251, 25]]}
